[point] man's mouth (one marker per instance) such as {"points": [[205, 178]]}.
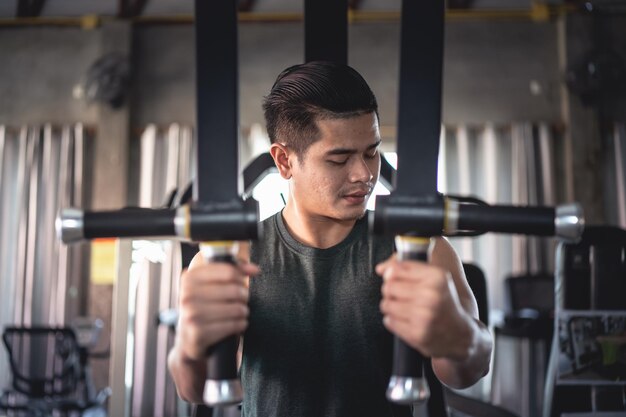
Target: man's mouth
{"points": [[356, 197]]}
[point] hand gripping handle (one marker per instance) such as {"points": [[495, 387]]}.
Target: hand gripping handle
{"points": [[408, 384]]}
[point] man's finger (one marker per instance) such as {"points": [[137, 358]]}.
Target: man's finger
{"points": [[211, 313], [202, 293], [215, 272]]}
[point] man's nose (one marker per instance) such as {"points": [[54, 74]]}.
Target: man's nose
{"points": [[361, 172]]}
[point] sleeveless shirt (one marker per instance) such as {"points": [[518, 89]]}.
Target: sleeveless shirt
{"points": [[315, 344]]}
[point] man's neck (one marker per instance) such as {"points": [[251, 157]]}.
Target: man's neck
{"points": [[315, 231]]}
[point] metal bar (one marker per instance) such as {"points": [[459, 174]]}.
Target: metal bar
{"points": [[419, 128], [217, 101], [419, 108], [326, 30]]}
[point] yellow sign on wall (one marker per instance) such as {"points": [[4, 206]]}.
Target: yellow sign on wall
{"points": [[103, 261]]}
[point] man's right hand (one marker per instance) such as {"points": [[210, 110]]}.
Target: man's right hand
{"points": [[213, 304]]}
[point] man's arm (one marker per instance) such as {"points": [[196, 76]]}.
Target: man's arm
{"points": [[432, 308], [189, 375], [475, 363]]}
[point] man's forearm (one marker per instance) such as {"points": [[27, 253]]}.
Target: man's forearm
{"points": [[463, 373], [189, 376]]}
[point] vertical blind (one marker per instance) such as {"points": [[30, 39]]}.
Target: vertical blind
{"points": [[42, 169], [166, 165]]}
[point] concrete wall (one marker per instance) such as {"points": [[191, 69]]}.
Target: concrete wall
{"points": [[489, 67], [39, 68]]}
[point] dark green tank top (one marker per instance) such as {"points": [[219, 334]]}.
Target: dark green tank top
{"points": [[316, 345]]}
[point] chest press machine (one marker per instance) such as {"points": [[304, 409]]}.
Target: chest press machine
{"points": [[414, 212]]}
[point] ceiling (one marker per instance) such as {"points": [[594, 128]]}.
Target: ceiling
{"points": [[168, 8], [135, 8]]}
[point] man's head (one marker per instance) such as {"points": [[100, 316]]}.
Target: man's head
{"points": [[323, 122], [306, 93]]}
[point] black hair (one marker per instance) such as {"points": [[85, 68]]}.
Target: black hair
{"points": [[305, 93]]}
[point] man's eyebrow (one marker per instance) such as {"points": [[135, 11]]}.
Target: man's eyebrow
{"points": [[349, 151], [375, 145]]}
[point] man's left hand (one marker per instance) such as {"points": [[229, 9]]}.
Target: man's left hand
{"points": [[420, 304]]}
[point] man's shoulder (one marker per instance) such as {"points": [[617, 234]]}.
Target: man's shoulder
{"points": [[266, 227], [268, 223]]}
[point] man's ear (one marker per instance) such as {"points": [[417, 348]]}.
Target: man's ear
{"points": [[280, 153]]}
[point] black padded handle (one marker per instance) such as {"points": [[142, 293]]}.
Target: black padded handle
{"points": [[222, 356], [407, 361]]}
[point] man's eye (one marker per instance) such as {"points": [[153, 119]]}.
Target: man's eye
{"points": [[371, 155], [337, 162]]}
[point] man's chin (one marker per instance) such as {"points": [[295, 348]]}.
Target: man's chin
{"points": [[354, 214]]}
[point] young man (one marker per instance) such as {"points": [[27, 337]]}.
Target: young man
{"points": [[324, 297]]}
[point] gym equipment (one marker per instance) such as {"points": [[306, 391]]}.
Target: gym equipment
{"points": [[326, 30], [51, 373], [587, 367], [522, 344], [414, 212]]}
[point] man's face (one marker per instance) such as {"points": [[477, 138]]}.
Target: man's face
{"points": [[338, 172]]}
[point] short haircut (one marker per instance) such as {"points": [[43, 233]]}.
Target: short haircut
{"points": [[305, 93]]}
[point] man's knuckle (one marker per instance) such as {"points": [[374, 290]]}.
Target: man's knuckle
{"points": [[236, 292], [237, 326]]}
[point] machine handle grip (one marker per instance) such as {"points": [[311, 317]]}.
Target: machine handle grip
{"points": [[222, 386], [538, 221], [222, 356], [408, 384]]}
